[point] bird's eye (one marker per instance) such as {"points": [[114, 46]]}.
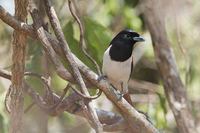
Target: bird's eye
{"points": [[126, 36]]}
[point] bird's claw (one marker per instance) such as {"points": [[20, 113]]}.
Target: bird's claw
{"points": [[102, 77], [119, 96], [145, 115]]}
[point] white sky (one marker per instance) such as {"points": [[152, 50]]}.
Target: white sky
{"points": [[8, 5]]}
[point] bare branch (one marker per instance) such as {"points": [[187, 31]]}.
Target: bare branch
{"points": [[82, 35], [175, 91], [134, 117], [42, 78], [29, 107], [23, 27], [61, 71], [6, 103], [129, 113], [69, 58], [87, 97], [111, 121], [66, 88], [5, 74], [62, 96], [13, 22], [37, 99]]}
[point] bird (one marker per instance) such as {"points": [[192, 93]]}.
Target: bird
{"points": [[118, 61]]}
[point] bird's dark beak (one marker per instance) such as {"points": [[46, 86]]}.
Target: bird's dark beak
{"points": [[139, 39]]}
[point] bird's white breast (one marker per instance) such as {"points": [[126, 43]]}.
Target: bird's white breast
{"points": [[116, 72]]}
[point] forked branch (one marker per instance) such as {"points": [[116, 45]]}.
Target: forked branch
{"points": [[69, 58]]}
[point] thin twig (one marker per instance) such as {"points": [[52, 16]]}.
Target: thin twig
{"points": [[42, 78], [82, 35], [87, 97], [29, 107], [45, 81], [69, 58], [130, 114], [82, 43], [47, 39], [7, 99], [62, 96], [114, 122], [40, 32], [36, 97], [134, 118], [5, 74]]}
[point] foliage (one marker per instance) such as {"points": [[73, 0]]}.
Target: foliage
{"points": [[102, 20]]}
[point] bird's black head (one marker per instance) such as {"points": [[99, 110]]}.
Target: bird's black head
{"points": [[122, 44], [128, 37]]}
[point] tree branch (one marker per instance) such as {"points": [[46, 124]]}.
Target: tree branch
{"points": [[82, 35], [60, 69], [175, 91], [139, 124], [69, 58], [111, 121]]}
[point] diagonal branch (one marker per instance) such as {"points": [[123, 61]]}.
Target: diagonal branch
{"points": [[130, 114], [111, 121], [60, 69], [82, 35], [69, 58], [138, 122], [175, 91], [13, 22], [25, 28]]}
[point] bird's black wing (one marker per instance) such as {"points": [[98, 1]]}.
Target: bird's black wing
{"points": [[131, 68]]}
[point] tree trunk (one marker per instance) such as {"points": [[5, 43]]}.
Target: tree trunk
{"points": [[18, 59], [175, 91]]}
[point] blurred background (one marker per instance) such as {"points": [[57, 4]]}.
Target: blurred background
{"points": [[103, 19]]}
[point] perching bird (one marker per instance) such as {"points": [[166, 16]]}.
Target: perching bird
{"points": [[118, 61]]}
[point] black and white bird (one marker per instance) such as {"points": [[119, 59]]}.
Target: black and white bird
{"points": [[118, 61]]}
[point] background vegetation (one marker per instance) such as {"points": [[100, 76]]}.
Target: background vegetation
{"points": [[103, 19]]}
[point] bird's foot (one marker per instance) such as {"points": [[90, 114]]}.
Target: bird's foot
{"points": [[102, 77], [119, 95], [145, 115]]}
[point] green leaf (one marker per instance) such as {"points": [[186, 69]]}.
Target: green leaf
{"points": [[97, 37], [73, 43]]}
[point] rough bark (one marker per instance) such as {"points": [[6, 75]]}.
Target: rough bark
{"points": [[18, 58], [69, 58], [175, 91], [111, 121], [135, 121]]}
